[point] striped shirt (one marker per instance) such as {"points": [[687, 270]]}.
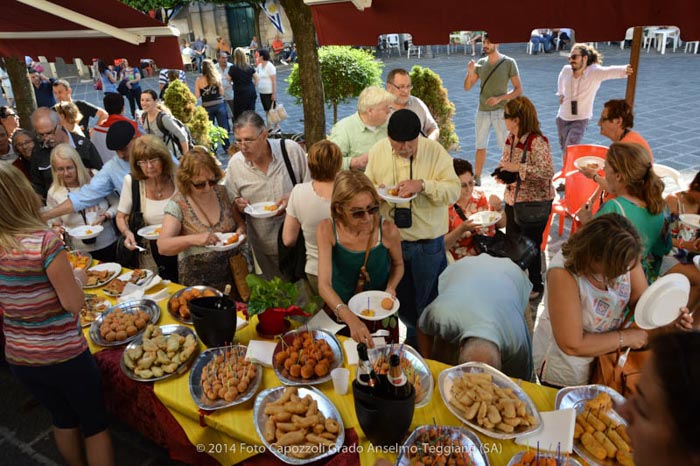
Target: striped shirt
{"points": [[38, 331]]}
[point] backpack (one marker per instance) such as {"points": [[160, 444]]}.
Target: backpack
{"points": [[170, 140]]}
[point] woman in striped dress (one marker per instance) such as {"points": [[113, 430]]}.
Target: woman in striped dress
{"points": [[41, 297]]}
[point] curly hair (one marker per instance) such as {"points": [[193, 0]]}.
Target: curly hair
{"points": [[193, 163]]}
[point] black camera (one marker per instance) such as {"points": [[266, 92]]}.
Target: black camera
{"points": [[403, 217], [574, 107], [504, 176]]}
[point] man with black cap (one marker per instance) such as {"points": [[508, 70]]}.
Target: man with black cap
{"points": [[421, 169], [108, 180]]}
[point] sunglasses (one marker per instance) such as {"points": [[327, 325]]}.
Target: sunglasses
{"points": [[202, 184], [361, 213], [508, 116], [469, 184], [573, 57]]}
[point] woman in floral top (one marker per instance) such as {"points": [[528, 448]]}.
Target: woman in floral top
{"points": [[458, 240], [535, 175], [200, 209]]}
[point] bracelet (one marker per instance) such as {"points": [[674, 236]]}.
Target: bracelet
{"points": [[619, 337], [338, 308], [422, 184]]}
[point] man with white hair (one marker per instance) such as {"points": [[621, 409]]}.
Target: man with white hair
{"points": [[356, 134]]}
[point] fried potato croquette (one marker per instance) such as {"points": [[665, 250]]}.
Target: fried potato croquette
{"points": [[148, 355], [387, 303]]}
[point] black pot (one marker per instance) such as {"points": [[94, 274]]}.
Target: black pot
{"points": [[384, 421], [214, 320]]}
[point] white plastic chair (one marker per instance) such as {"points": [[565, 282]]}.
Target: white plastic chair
{"points": [[664, 171], [692, 44], [648, 37], [540, 46], [412, 48], [392, 42], [629, 35]]}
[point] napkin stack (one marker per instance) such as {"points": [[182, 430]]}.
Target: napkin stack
{"points": [[557, 432], [261, 352]]}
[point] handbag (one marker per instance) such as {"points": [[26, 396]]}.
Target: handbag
{"points": [[520, 249], [239, 271], [277, 113], [292, 259], [530, 214], [363, 277], [125, 256], [607, 371]]}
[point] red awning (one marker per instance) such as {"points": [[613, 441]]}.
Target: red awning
{"points": [[506, 20], [88, 29]]}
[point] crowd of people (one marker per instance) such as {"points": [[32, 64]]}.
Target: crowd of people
{"points": [[425, 251]]}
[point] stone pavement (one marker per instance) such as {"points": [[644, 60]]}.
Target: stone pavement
{"points": [[667, 116]]}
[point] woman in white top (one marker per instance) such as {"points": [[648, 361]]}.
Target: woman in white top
{"points": [[173, 135], [309, 203], [590, 283], [152, 167], [267, 83], [69, 174]]}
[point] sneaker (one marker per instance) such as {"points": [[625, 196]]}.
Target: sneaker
{"points": [[477, 180], [283, 62]]}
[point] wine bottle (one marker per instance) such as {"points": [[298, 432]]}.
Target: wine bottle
{"points": [[366, 377], [399, 387]]}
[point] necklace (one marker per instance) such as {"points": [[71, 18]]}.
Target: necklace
{"points": [[157, 191]]}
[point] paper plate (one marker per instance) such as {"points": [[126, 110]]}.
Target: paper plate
{"points": [[660, 304], [384, 194], [485, 218], [589, 162], [223, 237], [150, 232], [257, 210], [373, 299], [86, 231], [112, 267], [692, 220]]}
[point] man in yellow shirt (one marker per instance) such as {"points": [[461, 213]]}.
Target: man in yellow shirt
{"points": [[416, 166]]}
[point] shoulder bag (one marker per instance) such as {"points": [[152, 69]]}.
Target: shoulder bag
{"points": [[530, 214], [363, 276], [126, 257], [292, 259]]}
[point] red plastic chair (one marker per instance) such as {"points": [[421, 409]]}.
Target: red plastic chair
{"points": [[576, 152]]}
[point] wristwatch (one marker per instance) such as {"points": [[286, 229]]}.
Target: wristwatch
{"points": [[422, 184]]}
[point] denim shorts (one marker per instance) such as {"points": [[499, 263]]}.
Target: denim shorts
{"points": [[484, 121]]}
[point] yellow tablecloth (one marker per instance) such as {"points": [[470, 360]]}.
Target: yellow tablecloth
{"points": [[230, 436]]}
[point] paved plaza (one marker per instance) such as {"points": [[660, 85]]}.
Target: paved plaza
{"points": [[666, 114]]}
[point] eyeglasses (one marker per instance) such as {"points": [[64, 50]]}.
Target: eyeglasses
{"points": [[468, 184], [508, 116], [244, 142], [574, 57], [47, 134], [402, 88], [146, 162], [361, 213], [9, 114], [65, 169], [25, 143], [602, 119], [202, 184]]}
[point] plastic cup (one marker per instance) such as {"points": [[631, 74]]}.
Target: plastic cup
{"points": [[340, 377], [90, 217]]}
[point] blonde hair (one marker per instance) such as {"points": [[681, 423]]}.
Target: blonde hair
{"points": [[633, 163], [348, 184], [240, 59], [69, 111], [192, 163], [609, 240], [147, 147], [20, 207], [64, 151], [211, 73], [374, 95]]}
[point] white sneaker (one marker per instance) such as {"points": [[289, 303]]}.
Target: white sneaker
{"points": [[283, 62]]}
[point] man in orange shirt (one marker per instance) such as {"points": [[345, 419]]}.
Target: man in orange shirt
{"points": [[277, 47]]}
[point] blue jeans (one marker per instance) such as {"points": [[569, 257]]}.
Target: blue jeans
{"points": [[545, 40], [217, 114], [423, 262]]}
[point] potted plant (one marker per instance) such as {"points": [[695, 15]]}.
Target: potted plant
{"points": [[273, 301]]}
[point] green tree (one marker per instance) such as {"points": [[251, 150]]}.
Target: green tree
{"points": [[345, 72], [183, 104], [428, 87]]}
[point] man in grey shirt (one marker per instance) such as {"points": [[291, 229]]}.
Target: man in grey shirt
{"points": [[398, 82]]}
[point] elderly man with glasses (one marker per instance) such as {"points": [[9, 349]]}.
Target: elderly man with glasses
{"points": [[420, 169], [398, 82], [263, 171], [577, 86], [49, 133]]}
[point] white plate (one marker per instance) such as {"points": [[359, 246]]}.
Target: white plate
{"points": [[485, 218], [222, 239], [660, 304], [149, 232], [384, 194], [113, 268], [125, 277], [584, 162], [86, 231], [373, 299], [257, 210], [692, 220]]}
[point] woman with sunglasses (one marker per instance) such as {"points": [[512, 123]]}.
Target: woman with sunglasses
{"points": [[153, 169], [9, 119], [7, 153], [532, 177], [201, 208], [23, 143], [69, 174], [354, 228], [662, 416]]}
